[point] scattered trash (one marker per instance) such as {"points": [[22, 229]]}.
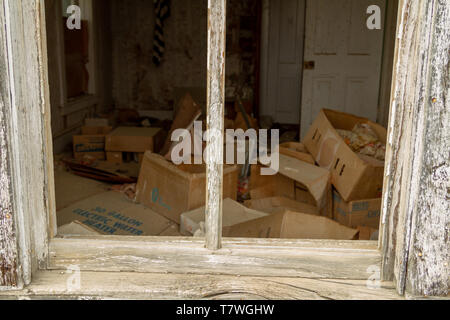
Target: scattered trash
{"points": [[327, 186], [129, 190]]}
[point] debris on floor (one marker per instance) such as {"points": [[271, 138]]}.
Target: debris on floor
{"points": [[120, 181], [98, 171]]}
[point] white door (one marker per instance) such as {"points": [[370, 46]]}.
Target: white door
{"points": [[342, 59], [281, 91]]}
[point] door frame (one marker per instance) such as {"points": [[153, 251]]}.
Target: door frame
{"points": [[265, 107]]}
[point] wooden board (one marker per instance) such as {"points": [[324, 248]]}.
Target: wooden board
{"points": [[289, 258], [160, 286]]}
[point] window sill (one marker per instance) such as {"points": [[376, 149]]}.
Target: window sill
{"points": [[316, 259]]}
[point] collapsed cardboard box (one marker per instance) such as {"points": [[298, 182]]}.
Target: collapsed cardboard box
{"points": [[296, 150], [233, 213], [365, 213], [291, 225], [132, 139], [110, 213], [273, 204], [171, 190], [297, 180], [355, 176]]}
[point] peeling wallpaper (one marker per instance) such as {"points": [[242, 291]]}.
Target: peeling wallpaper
{"points": [[138, 83]]}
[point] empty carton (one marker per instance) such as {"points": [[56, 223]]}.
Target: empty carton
{"points": [[171, 190], [132, 139], [355, 176]]}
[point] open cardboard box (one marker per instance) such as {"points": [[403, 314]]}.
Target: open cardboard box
{"points": [[171, 190], [355, 176]]}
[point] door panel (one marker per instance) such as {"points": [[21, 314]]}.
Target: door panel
{"points": [[347, 59]]}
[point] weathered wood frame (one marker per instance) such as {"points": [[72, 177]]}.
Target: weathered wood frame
{"points": [[415, 215], [28, 222]]}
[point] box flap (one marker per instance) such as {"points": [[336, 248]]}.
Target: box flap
{"points": [[233, 213]]}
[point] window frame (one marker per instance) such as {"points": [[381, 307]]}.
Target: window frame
{"points": [[72, 105], [34, 199]]}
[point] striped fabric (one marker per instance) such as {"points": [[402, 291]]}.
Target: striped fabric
{"points": [[162, 12]]}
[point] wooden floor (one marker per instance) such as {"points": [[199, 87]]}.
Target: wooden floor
{"points": [[118, 285], [71, 190]]}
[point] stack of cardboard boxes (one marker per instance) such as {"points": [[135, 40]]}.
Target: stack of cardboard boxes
{"points": [[91, 142], [357, 179], [323, 189]]}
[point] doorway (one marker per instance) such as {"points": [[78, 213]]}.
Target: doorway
{"points": [[322, 55]]}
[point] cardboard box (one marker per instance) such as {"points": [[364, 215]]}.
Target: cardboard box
{"points": [[89, 145], [132, 139], [296, 180], [171, 190], [233, 213], [114, 157], [291, 225], [96, 130], [355, 176], [274, 204], [110, 213], [296, 150], [353, 214]]}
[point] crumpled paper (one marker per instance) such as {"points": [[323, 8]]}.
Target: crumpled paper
{"points": [[363, 140]]}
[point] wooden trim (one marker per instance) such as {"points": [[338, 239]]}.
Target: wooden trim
{"points": [[159, 286], [49, 194], [215, 121], [24, 71], [415, 200], [251, 257], [387, 63]]}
